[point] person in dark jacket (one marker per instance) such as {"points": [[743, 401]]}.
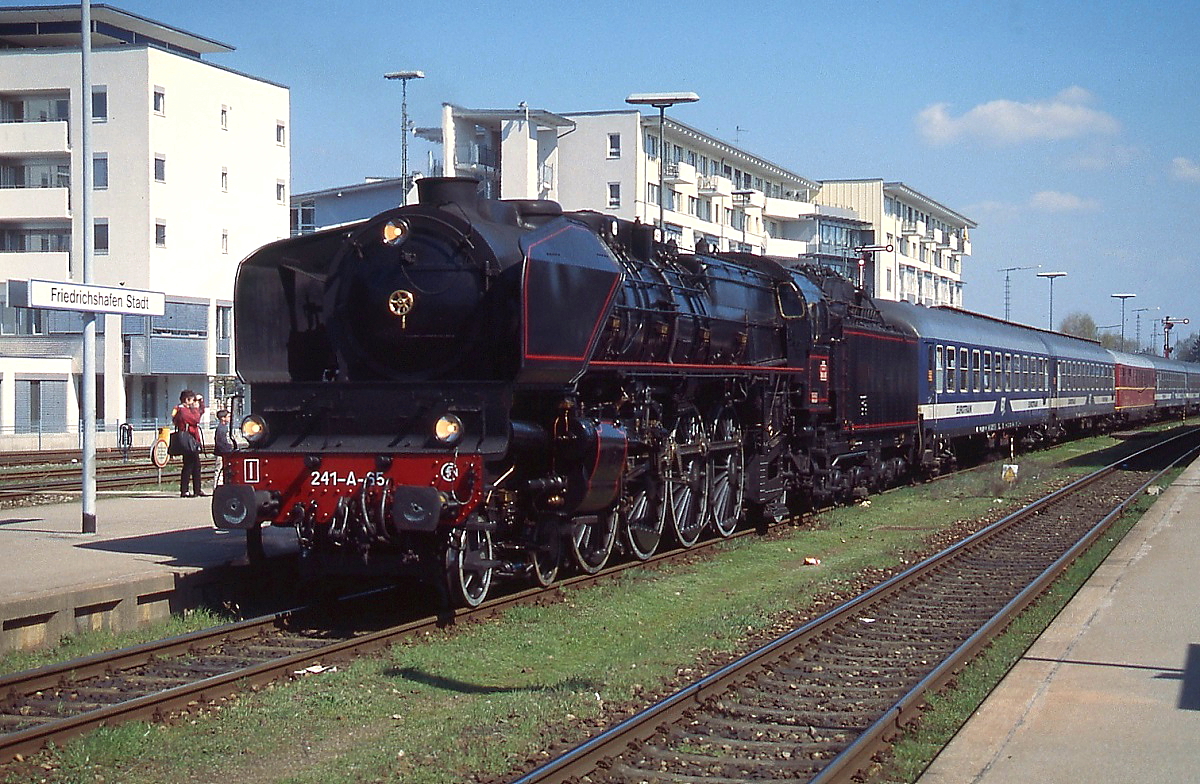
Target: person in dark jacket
{"points": [[186, 417], [223, 444]]}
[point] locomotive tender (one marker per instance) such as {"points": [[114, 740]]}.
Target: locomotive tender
{"points": [[475, 389]]}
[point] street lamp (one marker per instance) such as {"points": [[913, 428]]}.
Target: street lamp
{"points": [[404, 77], [1007, 271], [1050, 276], [661, 101], [1122, 297]]}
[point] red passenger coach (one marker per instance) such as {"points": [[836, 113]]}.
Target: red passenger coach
{"points": [[1135, 385]]}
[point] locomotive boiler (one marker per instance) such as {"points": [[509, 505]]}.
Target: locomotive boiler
{"points": [[472, 390]]}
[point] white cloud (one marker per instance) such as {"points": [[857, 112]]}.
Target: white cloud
{"points": [[1102, 156], [1056, 201], [1002, 121], [1185, 169]]}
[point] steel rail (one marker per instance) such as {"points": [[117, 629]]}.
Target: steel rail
{"points": [[159, 704], [645, 724]]}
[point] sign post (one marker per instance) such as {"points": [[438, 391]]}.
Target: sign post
{"points": [[93, 300]]}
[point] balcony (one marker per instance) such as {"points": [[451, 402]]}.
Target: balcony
{"points": [[33, 138], [788, 209], [34, 203], [679, 173], [715, 185], [41, 266], [749, 199], [910, 228]]}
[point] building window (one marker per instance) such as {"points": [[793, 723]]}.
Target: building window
{"points": [[160, 234], [224, 118], [160, 100], [224, 240], [651, 145], [280, 134], [614, 145], [160, 168], [652, 193], [304, 217], [100, 171], [99, 104], [224, 179], [100, 236], [614, 195], [280, 191]]}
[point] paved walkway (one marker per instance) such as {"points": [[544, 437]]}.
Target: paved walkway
{"points": [[150, 553], [1111, 691]]}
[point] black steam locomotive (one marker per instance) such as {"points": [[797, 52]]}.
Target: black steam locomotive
{"points": [[484, 389]]}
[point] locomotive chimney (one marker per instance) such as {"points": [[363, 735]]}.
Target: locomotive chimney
{"points": [[643, 241], [439, 191]]}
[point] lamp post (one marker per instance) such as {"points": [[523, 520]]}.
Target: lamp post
{"points": [[404, 77], [1007, 272], [1050, 276], [1137, 330], [1122, 297], [661, 101]]}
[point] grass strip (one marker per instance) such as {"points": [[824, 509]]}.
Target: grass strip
{"points": [[949, 710], [494, 696]]}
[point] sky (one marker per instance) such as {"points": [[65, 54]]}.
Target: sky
{"points": [[1068, 131]]}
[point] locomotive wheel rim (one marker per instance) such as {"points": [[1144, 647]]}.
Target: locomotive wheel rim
{"points": [[642, 522], [545, 557], [686, 498], [468, 587], [727, 490], [592, 545]]}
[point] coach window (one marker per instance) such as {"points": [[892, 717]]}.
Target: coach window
{"points": [[964, 370], [1008, 379], [940, 377], [987, 371], [951, 372], [1024, 372], [976, 371]]}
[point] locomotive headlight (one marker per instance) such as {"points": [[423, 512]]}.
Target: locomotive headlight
{"points": [[448, 430], [395, 231], [254, 429]]}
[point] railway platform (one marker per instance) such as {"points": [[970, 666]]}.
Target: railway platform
{"points": [[153, 553], [1111, 690]]}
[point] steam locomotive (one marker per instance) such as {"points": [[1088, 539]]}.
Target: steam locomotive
{"points": [[477, 390]]}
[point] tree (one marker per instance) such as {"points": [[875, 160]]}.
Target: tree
{"points": [[1188, 349], [1079, 324]]}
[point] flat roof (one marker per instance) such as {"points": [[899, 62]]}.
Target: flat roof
{"points": [[57, 27]]}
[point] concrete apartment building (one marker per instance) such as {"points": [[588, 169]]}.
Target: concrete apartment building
{"points": [[190, 168], [929, 240], [713, 192]]}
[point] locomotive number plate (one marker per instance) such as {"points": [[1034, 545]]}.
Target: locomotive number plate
{"points": [[337, 479]]}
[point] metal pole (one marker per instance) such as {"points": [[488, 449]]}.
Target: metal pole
{"points": [[88, 382], [404, 76], [404, 137], [662, 153]]}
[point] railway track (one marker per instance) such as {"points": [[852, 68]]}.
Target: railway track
{"points": [[25, 481], [818, 703], [150, 681]]}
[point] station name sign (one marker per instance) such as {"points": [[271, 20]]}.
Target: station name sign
{"points": [[57, 295]]}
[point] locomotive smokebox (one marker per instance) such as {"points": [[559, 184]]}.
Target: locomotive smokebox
{"points": [[440, 191]]}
